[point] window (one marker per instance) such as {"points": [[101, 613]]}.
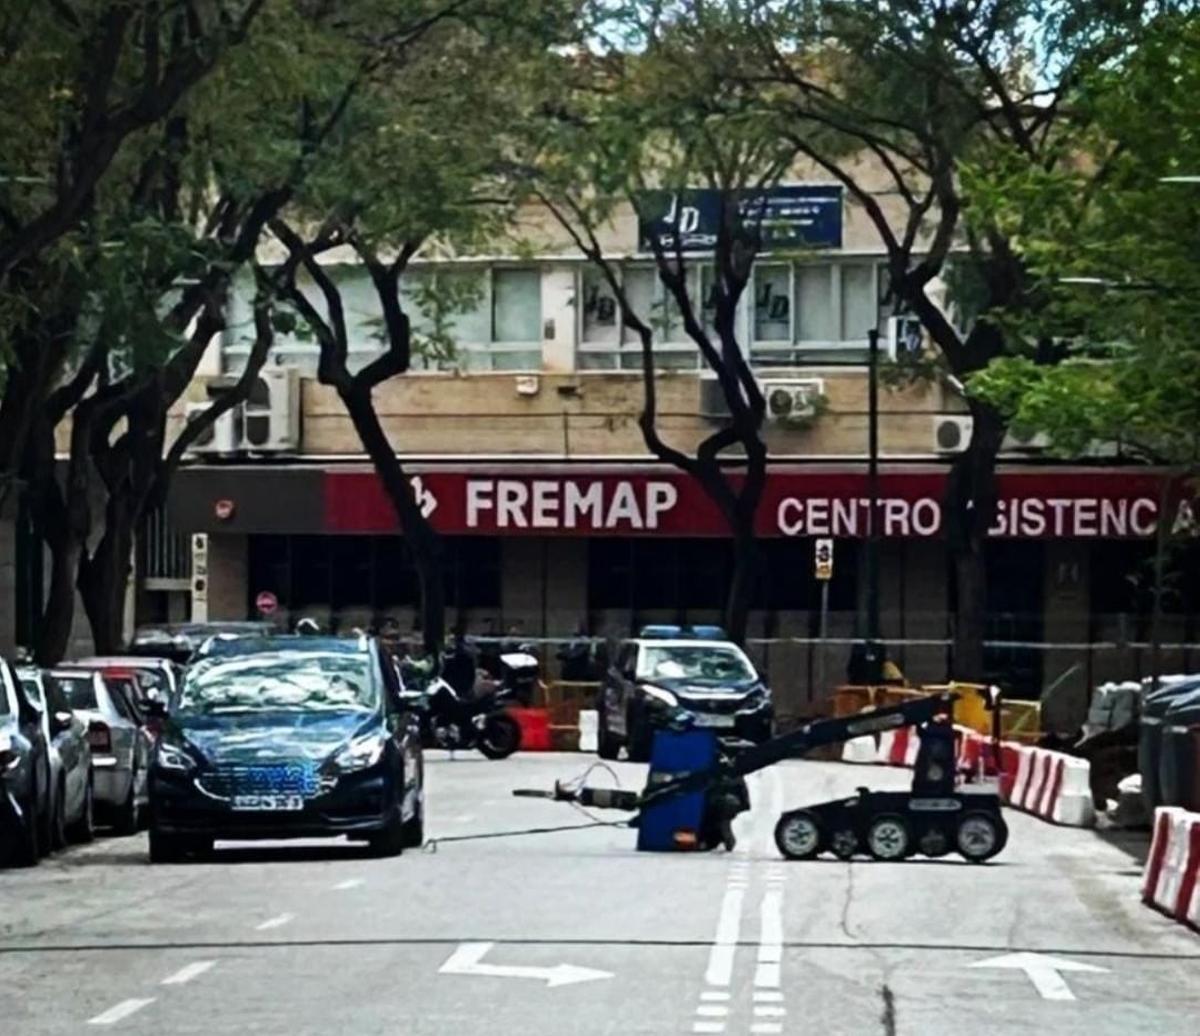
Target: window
{"points": [[492, 314], [605, 343], [807, 307]]}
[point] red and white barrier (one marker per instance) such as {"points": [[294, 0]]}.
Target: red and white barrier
{"points": [[1051, 785], [1171, 881]]}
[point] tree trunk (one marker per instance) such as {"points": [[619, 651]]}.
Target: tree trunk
{"points": [[746, 560], [423, 540], [58, 615], [970, 506], [104, 577]]}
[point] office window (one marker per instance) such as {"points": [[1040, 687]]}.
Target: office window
{"points": [[859, 309], [773, 303], [606, 343], [815, 304]]}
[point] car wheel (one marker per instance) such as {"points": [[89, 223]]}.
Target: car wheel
{"points": [[58, 820], [29, 846], [889, 837], [84, 829], [166, 848], [389, 841], [798, 835], [608, 745], [125, 820], [641, 740], [980, 836], [414, 828]]}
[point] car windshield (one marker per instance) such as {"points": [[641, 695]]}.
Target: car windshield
{"points": [[702, 663], [79, 689], [288, 680]]}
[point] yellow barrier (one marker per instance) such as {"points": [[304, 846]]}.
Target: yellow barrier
{"points": [[1019, 720]]}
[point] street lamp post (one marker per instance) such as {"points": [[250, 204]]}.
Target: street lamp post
{"points": [[873, 653]]}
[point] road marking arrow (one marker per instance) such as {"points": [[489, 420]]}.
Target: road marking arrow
{"points": [[1043, 971], [468, 960]]}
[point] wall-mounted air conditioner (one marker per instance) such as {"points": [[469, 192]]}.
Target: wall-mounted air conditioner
{"points": [[271, 413], [951, 434], [222, 437], [791, 398]]}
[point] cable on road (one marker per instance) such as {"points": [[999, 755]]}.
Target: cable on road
{"points": [[431, 846]]}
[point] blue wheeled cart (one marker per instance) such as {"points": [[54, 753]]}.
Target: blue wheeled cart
{"points": [[676, 821]]}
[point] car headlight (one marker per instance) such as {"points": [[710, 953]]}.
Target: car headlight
{"points": [[659, 694], [359, 753], [173, 757]]}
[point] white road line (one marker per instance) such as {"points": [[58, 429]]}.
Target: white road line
{"points": [[766, 1027], [769, 1011], [714, 994], [188, 972], [720, 957], [349, 883], [121, 1011], [770, 917], [712, 1010], [708, 1026], [768, 996], [274, 922]]}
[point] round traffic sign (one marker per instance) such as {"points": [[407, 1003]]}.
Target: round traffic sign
{"points": [[266, 603]]}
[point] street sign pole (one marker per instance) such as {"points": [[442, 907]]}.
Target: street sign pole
{"points": [[873, 655], [823, 572]]}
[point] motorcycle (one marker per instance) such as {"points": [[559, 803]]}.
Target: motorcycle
{"points": [[448, 720]]}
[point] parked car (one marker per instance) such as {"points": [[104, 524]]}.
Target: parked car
{"points": [[657, 680], [120, 743], [155, 678], [288, 737], [26, 798], [73, 813], [177, 641]]}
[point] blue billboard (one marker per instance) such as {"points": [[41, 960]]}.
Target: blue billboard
{"points": [[789, 217]]}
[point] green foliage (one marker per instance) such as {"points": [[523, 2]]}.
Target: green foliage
{"points": [[1112, 250]]}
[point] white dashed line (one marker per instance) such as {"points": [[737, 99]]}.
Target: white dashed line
{"points": [[120, 1012], [274, 922], [713, 994], [708, 1026], [769, 1011], [766, 1027], [768, 996], [720, 957], [188, 972], [712, 1010], [349, 883]]}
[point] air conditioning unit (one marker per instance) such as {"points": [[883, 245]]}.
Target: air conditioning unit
{"points": [[271, 413], [222, 437], [951, 434], [905, 337], [793, 398]]}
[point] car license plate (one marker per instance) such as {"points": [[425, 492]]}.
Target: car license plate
{"points": [[704, 719], [268, 803]]}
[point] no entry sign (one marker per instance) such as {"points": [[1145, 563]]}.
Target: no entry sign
{"points": [[266, 603]]}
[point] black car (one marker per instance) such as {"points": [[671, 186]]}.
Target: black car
{"points": [[658, 682], [26, 789], [73, 811], [287, 737]]}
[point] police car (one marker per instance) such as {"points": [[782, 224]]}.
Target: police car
{"points": [[673, 674]]}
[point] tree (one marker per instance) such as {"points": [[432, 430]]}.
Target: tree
{"points": [[181, 213], [1114, 257], [81, 82], [644, 125], [421, 167], [926, 93]]}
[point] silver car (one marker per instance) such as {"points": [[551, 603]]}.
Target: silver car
{"points": [[121, 746], [71, 787], [157, 678]]}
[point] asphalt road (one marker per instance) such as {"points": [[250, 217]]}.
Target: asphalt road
{"points": [[576, 933]]}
